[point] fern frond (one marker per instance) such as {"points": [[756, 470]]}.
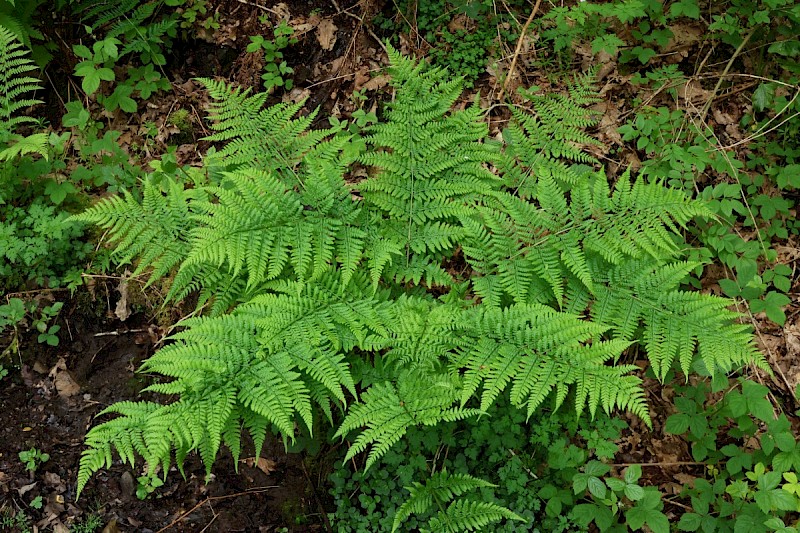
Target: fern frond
{"points": [[268, 139], [431, 161], [469, 515], [461, 515], [154, 230], [676, 324], [440, 487], [548, 140], [538, 351], [253, 226], [14, 64], [387, 410], [32, 144], [98, 13], [528, 248]]}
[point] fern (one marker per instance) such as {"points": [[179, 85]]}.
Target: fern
{"points": [[549, 140], [461, 515], [154, 230], [676, 323], [319, 288], [430, 159], [98, 13], [255, 227], [388, 410], [266, 138], [528, 251], [14, 83]]}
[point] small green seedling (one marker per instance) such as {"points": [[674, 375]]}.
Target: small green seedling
{"points": [[33, 458], [147, 485]]}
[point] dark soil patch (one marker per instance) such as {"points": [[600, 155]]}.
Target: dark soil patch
{"points": [[52, 401]]}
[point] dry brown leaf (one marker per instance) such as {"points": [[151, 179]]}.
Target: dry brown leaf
{"points": [[265, 465], [326, 34], [26, 488], [378, 82], [65, 384], [111, 527], [692, 91], [122, 310]]}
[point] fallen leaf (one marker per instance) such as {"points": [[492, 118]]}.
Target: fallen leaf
{"points": [[122, 310], [378, 82], [52, 479], [265, 465], [66, 385], [326, 34], [26, 488]]}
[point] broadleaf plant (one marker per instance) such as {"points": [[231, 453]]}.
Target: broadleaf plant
{"points": [[440, 272]]}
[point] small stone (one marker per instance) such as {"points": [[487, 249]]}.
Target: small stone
{"points": [[127, 486]]}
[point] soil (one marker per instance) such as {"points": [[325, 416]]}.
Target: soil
{"points": [[51, 400]]}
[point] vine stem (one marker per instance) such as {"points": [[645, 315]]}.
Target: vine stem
{"points": [[517, 50], [728, 67]]}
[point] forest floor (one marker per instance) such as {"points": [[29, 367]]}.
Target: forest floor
{"points": [[110, 326]]}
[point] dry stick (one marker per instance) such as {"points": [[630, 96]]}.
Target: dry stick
{"points": [[517, 49], [736, 53], [214, 498], [361, 23], [669, 463], [316, 498]]}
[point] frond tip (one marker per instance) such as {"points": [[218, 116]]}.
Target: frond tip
{"points": [[461, 514]]}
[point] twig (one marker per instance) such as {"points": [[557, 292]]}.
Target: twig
{"points": [[117, 332], [728, 67], [361, 22], [518, 49], [316, 498], [216, 498], [669, 463], [245, 2]]}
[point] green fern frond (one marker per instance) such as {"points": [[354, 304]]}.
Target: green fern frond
{"points": [[431, 161], [676, 323], [387, 410], [460, 515], [538, 351], [132, 21], [14, 65], [267, 139], [548, 140], [253, 226], [154, 230], [98, 13], [36, 143], [530, 250], [469, 515]]}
